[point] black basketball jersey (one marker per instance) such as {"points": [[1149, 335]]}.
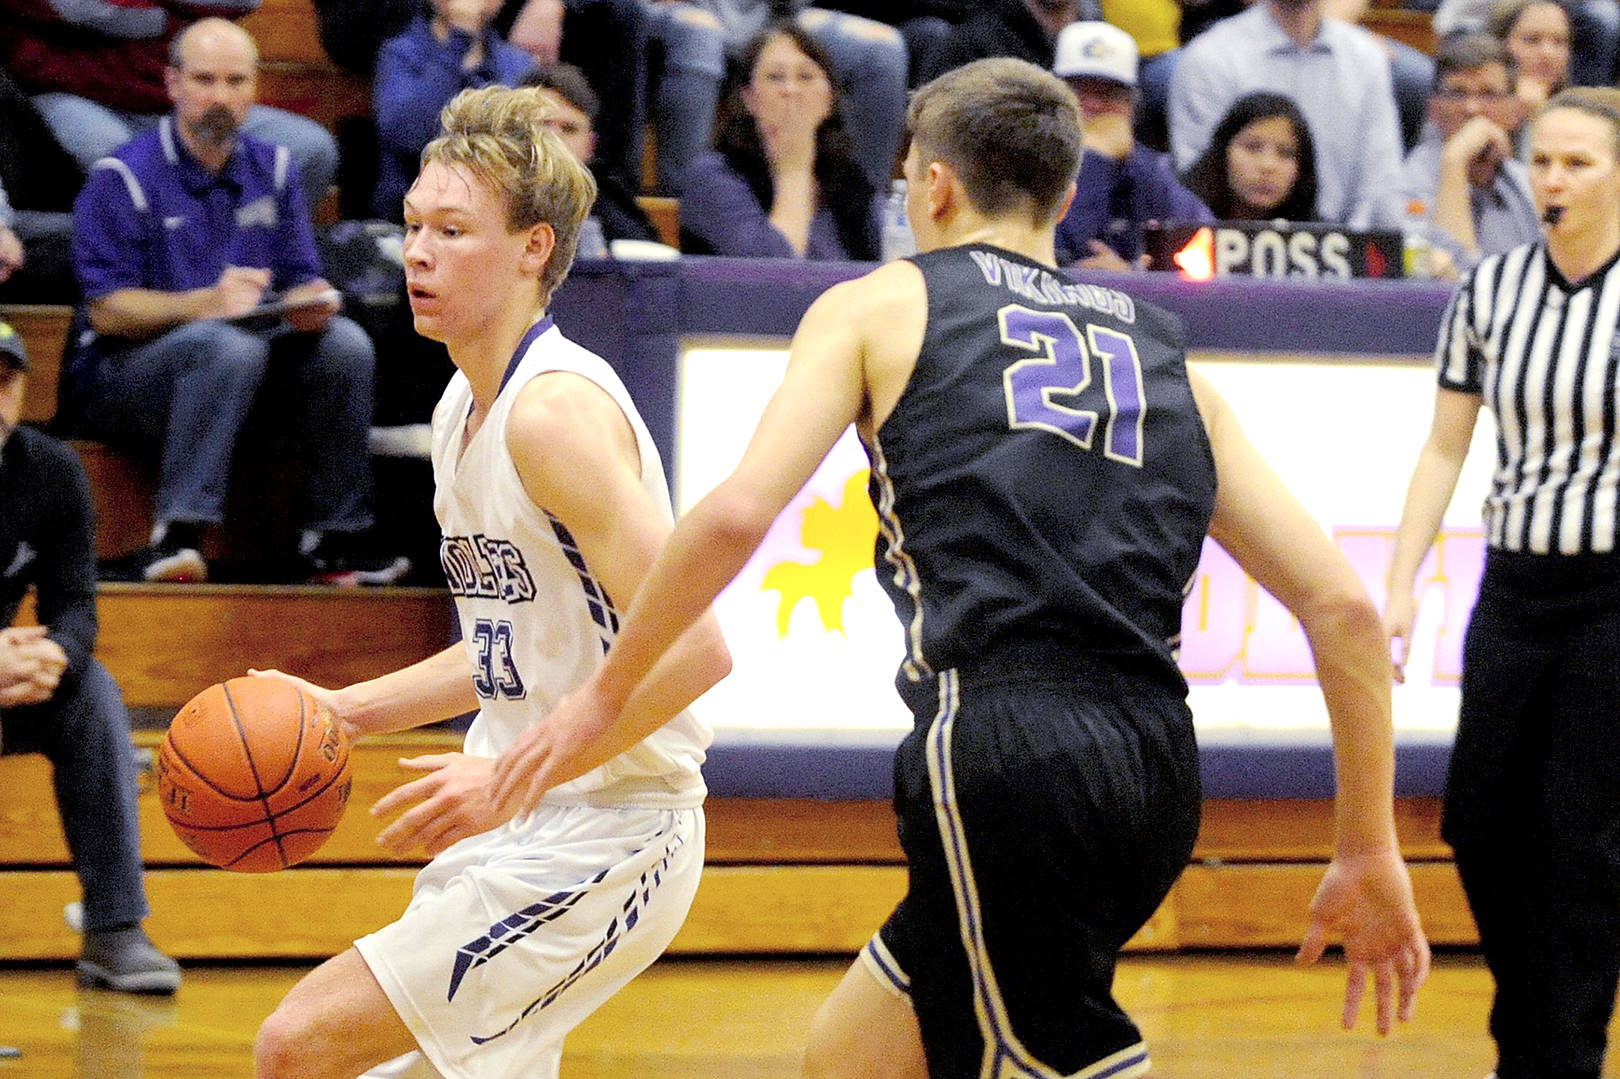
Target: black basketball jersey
{"points": [[1045, 474]]}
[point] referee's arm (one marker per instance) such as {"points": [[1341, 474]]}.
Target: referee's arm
{"points": [[1434, 481]]}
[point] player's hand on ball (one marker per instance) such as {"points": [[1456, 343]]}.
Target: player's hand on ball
{"points": [[326, 698], [1366, 900], [451, 802]]}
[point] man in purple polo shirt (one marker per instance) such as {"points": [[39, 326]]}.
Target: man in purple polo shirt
{"points": [[179, 238]]}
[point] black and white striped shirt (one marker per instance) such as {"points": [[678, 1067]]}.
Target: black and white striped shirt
{"points": [[1544, 355]]}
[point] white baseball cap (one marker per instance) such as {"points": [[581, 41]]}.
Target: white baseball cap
{"points": [[1095, 50]]}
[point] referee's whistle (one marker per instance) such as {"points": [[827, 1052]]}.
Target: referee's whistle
{"points": [[1552, 214]]}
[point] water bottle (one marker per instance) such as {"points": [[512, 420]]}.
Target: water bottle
{"points": [[1417, 250], [898, 242]]}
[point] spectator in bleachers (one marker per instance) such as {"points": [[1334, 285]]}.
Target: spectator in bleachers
{"points": [[1411, 71], [1536, 34], [1260, 164], [573, 120], [606, 39], [866, 59], [38, 180], [1594, 33], [1122, 187], [1155, 26], [443, 52], [1023, 29], [782, 181], [178, 239], [56, 699], [35, 265], [95, 69], [1477, 192], [1338, 75], [686, 67]]}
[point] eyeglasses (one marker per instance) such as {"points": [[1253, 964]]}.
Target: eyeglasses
{"points": [[1484, 97]]}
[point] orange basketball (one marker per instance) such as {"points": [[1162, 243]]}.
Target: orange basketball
{"points": [[253, 774]]}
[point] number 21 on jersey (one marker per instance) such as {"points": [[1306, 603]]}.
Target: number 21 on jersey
{"points": [[1062, 368]]}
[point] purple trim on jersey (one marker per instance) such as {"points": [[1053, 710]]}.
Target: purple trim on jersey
{"points": [[881, 961], [530, 336], [597, 600]]}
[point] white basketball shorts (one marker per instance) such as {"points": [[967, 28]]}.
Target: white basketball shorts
{"points": [[512, 938]]}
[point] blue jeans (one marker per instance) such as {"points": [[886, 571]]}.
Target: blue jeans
{"points": [[188, 393], [689, 65], [869, 62], [84, 732], [91, 131]]}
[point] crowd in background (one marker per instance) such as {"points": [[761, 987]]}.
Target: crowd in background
{"points": [[778, 124], [143, 180]]}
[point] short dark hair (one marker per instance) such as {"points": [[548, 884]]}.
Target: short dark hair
{"points": [[567, 82], [1010, 130], [1464, 52]]}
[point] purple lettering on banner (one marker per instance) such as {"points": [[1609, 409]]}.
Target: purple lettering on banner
{"points": [[1233, 631]]}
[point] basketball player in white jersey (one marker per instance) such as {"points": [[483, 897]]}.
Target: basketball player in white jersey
{"points": [[552, 501]]}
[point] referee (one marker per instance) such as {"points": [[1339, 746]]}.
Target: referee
{"points": [[1532, 806]]}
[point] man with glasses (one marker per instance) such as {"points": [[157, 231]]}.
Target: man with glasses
{"points": [[1476, 193]]}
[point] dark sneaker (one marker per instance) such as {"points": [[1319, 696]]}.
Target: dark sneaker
{"points": [[127, 961], [156, 562], [348, 559]]}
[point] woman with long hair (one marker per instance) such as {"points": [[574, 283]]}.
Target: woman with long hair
{"points": [[1260, 163], [782, 180]]}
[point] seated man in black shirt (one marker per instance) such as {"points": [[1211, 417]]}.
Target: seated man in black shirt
{"points": [[57, 700]]}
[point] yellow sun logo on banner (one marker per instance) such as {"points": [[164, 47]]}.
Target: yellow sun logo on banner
{"points": [[844, 536]]}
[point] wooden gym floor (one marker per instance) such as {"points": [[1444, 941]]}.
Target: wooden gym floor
{"points": [[1211, 1016]]}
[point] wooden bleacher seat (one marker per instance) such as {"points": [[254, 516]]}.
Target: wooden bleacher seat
{"points": [[44, 330], [1389, 18], [783, 875], [665, 217], [295, 72]]}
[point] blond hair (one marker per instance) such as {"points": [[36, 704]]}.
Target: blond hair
{"points": [[499, 135], [1009, 130], [1600, 101]]}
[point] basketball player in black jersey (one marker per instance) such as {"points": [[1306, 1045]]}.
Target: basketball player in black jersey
{"points": [[1044, 470]]}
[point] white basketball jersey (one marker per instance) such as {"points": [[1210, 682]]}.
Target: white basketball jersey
{"points": [[535, 620]]}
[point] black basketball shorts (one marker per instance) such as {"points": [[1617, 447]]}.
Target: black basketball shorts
{"points": [[1044, 818]]}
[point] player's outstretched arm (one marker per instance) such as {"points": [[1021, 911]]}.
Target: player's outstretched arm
{"points": [[1434, 480], [822, 392], [1366, 896], [428, 691]]}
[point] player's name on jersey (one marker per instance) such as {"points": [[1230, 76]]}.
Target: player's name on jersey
{"points": [[1273, 249], [486, 567]]}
